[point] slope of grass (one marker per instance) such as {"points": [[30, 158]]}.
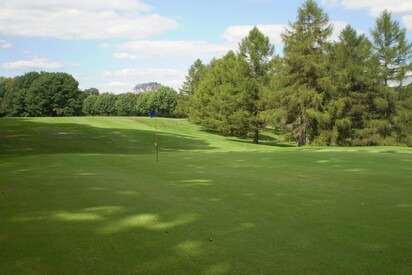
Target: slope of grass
{"points": [[86, 196]]}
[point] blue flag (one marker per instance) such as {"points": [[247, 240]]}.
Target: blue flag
{"points": [[153, 113]]}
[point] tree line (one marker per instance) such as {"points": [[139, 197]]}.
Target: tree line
{"points": [[57, 94], [355, 91], [350, 92]]}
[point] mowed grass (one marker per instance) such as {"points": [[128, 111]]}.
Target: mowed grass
{"points": [[86, 196]]}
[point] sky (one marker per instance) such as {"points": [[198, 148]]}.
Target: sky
{"points": [[113, 45]]}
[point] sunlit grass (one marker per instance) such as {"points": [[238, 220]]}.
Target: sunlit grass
{"points": [[86, 196]]}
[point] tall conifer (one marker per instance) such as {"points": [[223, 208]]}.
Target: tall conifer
{"points": [[392, 50], [301, 87]]}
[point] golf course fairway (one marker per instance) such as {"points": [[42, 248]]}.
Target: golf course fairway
{"points": [[86, 195]]}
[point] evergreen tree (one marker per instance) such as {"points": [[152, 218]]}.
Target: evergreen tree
{"points": [[218, 101], [302, 84], [392, 50], [404, 118], [354, 74], [256, 52], [195, 75], [229, 96]]}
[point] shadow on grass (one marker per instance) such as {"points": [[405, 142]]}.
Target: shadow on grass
{"points": [[267, 141], [23, 136], [263, 139]]}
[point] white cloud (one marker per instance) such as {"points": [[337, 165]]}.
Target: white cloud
{"points": [[171, 49], [375, 7], [80, 4], [338, 27], [143, 49], [235, 34], [407, 20], [125, 80], [37, 63], [122, 85], [125, 55], [105, 46], [80, 19], [4, 44], [116, 87], [329, 3]]}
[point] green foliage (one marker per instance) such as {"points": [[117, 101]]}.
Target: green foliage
{"points": [[44, 94], [392, 51], [229, 97], [355, 93], [145, 103], [404, 116], [91, 91], [256, 54], [195, 75], [4, 85], [16, 95], [126, 104], [164, 99], [106, 104], [303, 84], [89, 105], [214, 102]]}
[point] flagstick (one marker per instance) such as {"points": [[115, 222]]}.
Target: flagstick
{"points": [[157, 146], [153, 114]]}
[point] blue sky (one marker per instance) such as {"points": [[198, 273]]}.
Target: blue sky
{"points": [[113, 45]]}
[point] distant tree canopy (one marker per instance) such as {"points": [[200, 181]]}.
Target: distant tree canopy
{"points": [[164, 99], [130, 104], [43, 94], [91, 91], [146, 87], [4, 83], [57, 94], [346, 92]]}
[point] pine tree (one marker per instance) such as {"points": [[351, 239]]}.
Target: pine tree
{"points": [[256, 54], [354, 74], [229, 95], [217, 101], [195, 74], [392, 50], [393, 54], [302, 85]]}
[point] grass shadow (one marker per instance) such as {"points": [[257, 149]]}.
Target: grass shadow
{"points": [[266, 140], [24, 136]]}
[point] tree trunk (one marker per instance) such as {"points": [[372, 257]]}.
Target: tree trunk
{"points": [[256, 136]]}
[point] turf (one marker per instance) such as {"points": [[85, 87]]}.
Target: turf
{"points": [[86, 196]]}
